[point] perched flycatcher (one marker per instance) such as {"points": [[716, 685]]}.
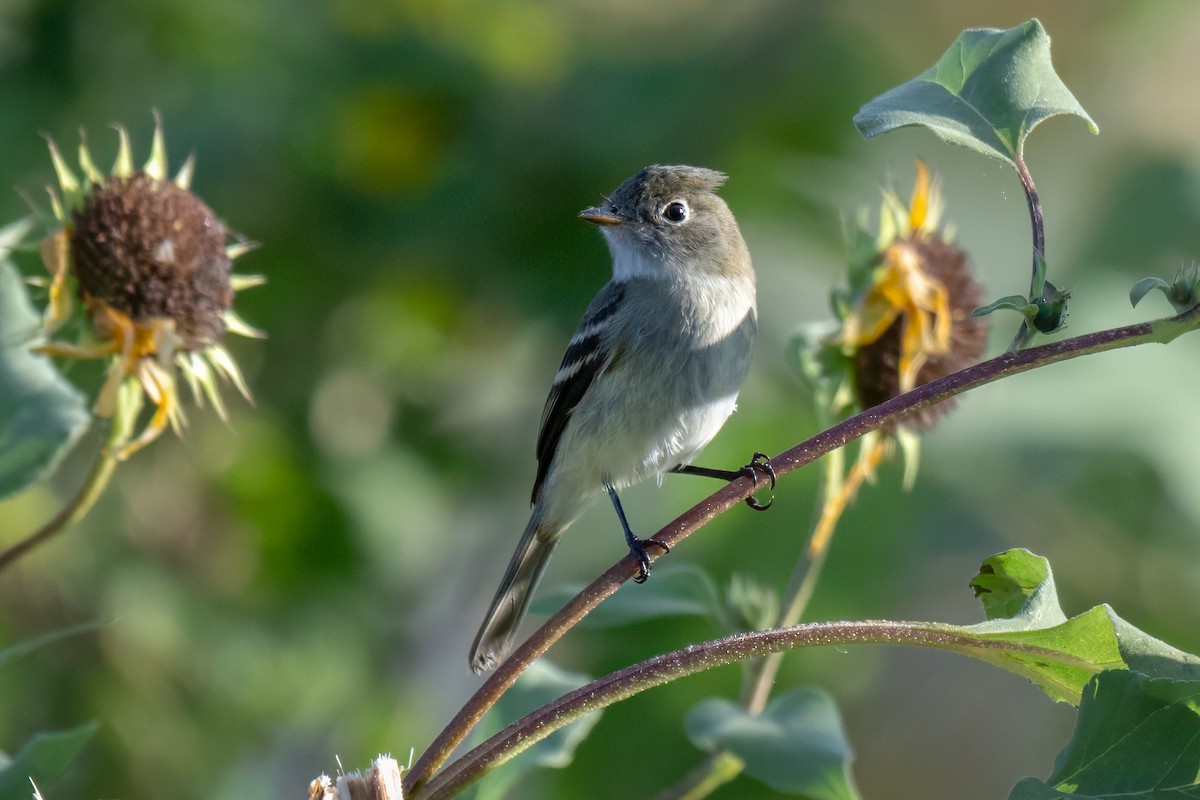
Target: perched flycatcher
{"points": [[649, 377]]}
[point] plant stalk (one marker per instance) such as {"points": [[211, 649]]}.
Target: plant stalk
{"points": [[74, 510], [1037, 223]]}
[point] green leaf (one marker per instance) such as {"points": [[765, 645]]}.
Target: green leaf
{"points": [[1015, 302], [986, 93], [1183, 292], [1016, 583], [1051, 308], [1144, 287], [41, 414], [1082, 646], [44, 759], [24, 648], [676, 591], [539, 685], [1136, 738], [796, 746], [751, 605]]}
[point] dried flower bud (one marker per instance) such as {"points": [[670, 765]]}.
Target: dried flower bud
{"points": [[151, 249], [151, 263]]}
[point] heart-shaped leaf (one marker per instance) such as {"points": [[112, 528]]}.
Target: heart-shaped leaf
{"points": [[796, 745], [43, 760], [986, 93], [41, 414], [1136, 738]]}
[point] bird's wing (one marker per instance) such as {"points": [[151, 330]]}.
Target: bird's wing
{"points": [[589, 353]]}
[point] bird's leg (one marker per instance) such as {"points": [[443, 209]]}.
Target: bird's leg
{"points": [[637, 547], [759, 464]]}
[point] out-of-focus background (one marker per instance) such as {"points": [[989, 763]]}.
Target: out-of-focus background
{"points": [[304, 584]]}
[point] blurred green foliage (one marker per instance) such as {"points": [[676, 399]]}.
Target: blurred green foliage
{"points": [[305, 584]]}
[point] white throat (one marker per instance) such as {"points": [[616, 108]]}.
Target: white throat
{"points": [[630, 260]]}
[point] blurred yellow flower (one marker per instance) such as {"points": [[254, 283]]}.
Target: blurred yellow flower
{"points": [[913, 323]]}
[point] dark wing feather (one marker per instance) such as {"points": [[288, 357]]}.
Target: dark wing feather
{"points": [[588, 354]]}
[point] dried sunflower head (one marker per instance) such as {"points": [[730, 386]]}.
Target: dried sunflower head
{"points": [[909, 322], [146, 270]]}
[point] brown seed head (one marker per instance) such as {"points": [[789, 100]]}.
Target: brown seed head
{"points": [[153, 250]]}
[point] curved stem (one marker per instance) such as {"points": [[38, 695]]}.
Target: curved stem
{"points": [[715, 771], [656, 671], [736, 491], [1036, 221], [75, 509]]}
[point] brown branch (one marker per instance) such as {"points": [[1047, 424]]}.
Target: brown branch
{"points": [[897, 408]]}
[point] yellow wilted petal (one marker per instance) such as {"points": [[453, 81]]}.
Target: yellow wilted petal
{"points": [[912, 354], [240, 282], [918, 205], [66, 178], [910, 449], [235, 324], [238, 249], [224, 364], [184, 362], [106, 401], [208, 382], [123, 166], [875, 316], [85, 160], [156, 165], [54, 256], [183, 178]]}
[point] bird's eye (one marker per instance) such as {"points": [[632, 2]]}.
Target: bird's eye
{"points": [[676, 212]]}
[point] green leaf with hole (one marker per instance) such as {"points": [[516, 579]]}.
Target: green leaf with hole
{"points": [[41, 414], [1057, 654], [1017, 583], [44, 760], [1136, 738], [986, 93]]}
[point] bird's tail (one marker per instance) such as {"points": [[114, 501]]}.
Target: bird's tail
{"points": [[508, 608]]}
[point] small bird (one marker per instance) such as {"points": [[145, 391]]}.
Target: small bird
{"points": [[649, 377]]}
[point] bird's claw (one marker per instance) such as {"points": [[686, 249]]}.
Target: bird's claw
{"points": [[637, 549], [760, 463]]}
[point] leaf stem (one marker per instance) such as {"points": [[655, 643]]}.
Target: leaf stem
{"points": [[1038, 278], [75, 509], [1010, 363], [119, 430]]}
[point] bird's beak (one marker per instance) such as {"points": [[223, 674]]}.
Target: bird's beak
{"points": [[600, 216]]}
